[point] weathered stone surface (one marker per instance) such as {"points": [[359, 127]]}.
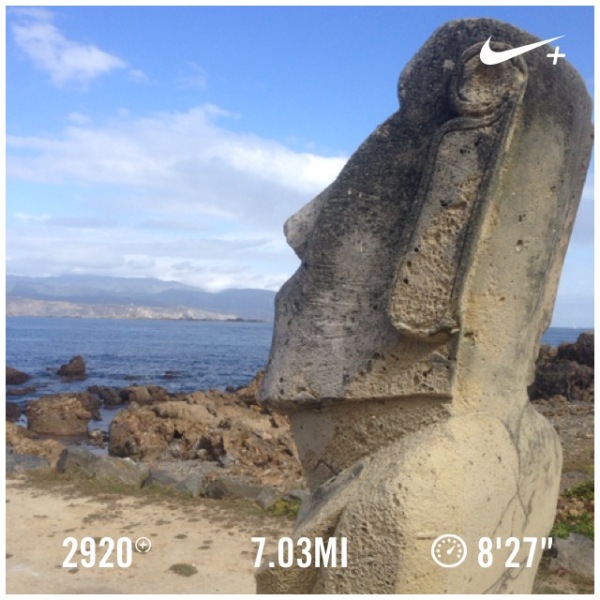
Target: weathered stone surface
{"points": [[144, 394], [74, 369], [20, 391], [221, 429], [16, 377], [21, 463], [576, 555], [566, 371], [582, 351], [13, 411], [405, 341], [62, 414], [110, 397], [79, 462], [23, 441]]}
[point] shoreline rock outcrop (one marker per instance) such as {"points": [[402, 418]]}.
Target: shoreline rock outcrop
{"points": [[74, 369], [227, 429], [63, 414], [567, 371], [16, 377]]}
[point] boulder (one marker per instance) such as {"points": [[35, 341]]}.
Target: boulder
{"points": [[214, 428], [74, 369], [20, 391], [194, 484], [582, 351], [576, 555], [227, 486], [20, 463], [98, 438], [171, 374], [23, 441], [144, 394], [62, 414], [80, 462], [13, 411], [110, 397], [16, 377], [558, 376]]}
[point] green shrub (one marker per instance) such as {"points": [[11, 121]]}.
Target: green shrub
{"points": [[582, 524], [583, 491], [286, 507]]}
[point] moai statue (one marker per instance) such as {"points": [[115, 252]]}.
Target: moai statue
{"points": [[405, 342]]}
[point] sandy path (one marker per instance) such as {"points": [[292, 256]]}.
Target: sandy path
{"points": [[213, 538]]}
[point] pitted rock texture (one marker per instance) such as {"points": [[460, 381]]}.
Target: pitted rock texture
{"points": [[62, 414], [405, 342]]}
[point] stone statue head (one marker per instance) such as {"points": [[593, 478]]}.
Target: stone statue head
{"points": [[441, 241]]}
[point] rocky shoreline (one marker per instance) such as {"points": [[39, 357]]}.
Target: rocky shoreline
{"points": [[210, 443], [228, 430], [219, 444]]}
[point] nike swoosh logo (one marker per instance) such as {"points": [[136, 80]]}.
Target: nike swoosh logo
{"points": [[491, 57]]}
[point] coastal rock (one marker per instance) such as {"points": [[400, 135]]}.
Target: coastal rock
{"points": [[187, 476], [144, 394], [194, 485], [62, 414], [74, 369], [214, 427], [16, 377], [13, 411], [23, 441], [20, 391], [110, 397], [21, 463], [565, 371], [171, 374], [228, 486], [79, 462], [576, 555], [98, 438], [405, 341], [582, 351]]}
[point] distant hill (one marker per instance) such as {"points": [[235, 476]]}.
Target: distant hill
{"points": [[119, 297]]}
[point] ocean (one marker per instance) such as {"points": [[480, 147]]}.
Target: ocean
{"points": [[198, 354], [119, 352]]}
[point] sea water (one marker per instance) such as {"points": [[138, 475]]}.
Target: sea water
{"points": [[181, 356]]}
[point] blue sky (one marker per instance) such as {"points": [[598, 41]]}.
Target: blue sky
{"points": [[173, 142]]}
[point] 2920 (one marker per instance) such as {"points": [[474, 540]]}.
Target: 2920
{"points": [[91, 548]]}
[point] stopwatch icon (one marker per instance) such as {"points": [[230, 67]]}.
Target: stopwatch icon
{"points": [[448, 551]]}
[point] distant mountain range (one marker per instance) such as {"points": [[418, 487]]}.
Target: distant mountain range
{"points": [[117, 297]]}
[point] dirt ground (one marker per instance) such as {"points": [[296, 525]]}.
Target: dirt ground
{"points": [[211, 536]]}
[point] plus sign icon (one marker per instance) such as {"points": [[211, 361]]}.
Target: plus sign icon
{"points": [[143, 545], [495, 57], [556, 55]]}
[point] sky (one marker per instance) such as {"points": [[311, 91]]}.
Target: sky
{"points": [[173, 142]]}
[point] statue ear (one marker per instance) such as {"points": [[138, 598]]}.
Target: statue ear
{"points": [[451, 197]]}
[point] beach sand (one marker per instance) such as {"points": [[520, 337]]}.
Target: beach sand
{"points": [[212, 536]]}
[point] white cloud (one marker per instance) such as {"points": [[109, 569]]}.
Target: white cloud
{"points": [[78, 118], [173, 195], [52, 247], [194, 78], [63, 59], [173, 162]]}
